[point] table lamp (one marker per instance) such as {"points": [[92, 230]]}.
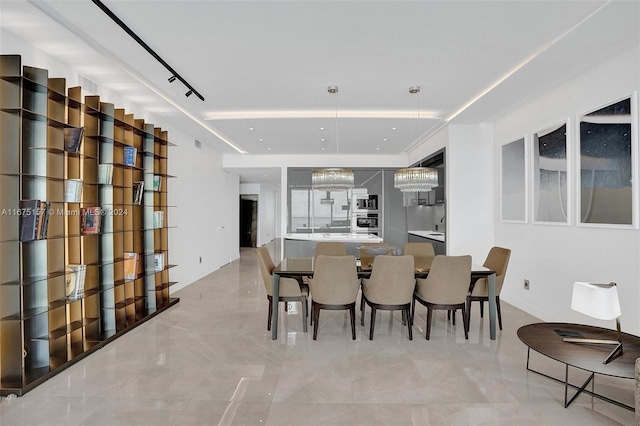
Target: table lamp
{"points": [[598, 301]]}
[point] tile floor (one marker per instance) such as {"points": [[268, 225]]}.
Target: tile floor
{"points": [[210, 361]]}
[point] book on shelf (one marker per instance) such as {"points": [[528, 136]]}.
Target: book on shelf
{"points": [[105, 174], [131, 261], [72, 190], [34, 219], [138, 192], [29, 219], [73, 138], [91, 219], [157, 181], [130, 155], [158, 262], [43, 220], [74, 280], [158, 219]]}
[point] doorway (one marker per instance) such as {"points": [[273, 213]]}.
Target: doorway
{"points": [[248, 220]]}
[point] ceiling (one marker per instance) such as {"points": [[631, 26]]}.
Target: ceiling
{"points": [[263, 67]]}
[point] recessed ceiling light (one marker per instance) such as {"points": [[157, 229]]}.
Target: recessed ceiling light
{"points": [[393, 128], [378, 149], [385, 139], [323, 149], [251, 128], [322, 140], [321, 128], [261, 139], [269, 149]]}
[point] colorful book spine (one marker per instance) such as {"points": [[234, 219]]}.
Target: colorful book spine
{"points": [[91, 219], [130, 155]]}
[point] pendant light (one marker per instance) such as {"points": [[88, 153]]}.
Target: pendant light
{"points": [[416, 179], [333, 178]]}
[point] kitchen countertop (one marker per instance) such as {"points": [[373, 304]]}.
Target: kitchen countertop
{"points": [[355, 238], [432, 235]]}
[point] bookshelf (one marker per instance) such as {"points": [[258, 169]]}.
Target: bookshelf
{"points": [[48, 321]]}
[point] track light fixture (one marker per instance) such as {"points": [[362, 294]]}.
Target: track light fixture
{"points": [[189, 93], [174, 73]]}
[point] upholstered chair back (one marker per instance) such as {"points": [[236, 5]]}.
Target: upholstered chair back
{"points": [[392, 280], [447, 282], [419, 249], [335, 280], [288, 286], [497, 260], [331, 248], [423, 253]]}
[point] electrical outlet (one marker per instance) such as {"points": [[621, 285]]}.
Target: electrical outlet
{"points": [[526, 284], [200, 259]]}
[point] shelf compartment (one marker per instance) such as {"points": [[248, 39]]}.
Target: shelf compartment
{"points": [[70, 328], [52, 329]]}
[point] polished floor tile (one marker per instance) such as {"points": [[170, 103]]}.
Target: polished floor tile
{"points": [[210, 361]]}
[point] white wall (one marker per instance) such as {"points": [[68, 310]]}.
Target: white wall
{"points": [[469, 167], [269, 217], [201, 188], [232, 218], [204, 229], [553, 257]]}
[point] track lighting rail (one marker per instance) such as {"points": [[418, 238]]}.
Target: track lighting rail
{"points": [[141, 42]]}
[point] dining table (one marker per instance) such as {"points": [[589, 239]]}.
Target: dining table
{"points": [[296, 267]]}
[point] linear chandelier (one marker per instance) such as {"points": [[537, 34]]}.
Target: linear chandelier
{"points": [[416, 179], [333, 178]]}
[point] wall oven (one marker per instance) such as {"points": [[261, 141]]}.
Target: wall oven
{"points": [[363, 203], [366, 222]]}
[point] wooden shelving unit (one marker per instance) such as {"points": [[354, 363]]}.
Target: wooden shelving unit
{"points": [[43, 327]]}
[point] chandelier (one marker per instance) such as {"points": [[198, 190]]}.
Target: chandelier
{"points": [[332, 178], [416, 179]]}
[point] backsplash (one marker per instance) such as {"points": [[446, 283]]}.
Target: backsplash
{"points": [[425, 218]]}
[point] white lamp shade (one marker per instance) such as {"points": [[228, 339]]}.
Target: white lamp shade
{"points": [[596, 300]]}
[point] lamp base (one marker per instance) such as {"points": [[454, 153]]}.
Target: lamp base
{"points": [[614, 353]]}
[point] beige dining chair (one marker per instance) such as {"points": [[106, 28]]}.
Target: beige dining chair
{"points": [[497, 260], [390, 288], [290, 289], [446, 287], [328, 248], [369, 251], [331, 248], [423, 254], [334, 286]]}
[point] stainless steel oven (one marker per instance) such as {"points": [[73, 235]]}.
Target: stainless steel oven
{"points": [[366, 222], [365, 203]]}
